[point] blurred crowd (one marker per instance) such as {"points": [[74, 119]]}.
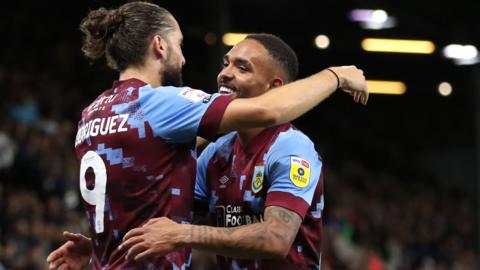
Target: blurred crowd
{"points": [[38, 172], [376, 220]]}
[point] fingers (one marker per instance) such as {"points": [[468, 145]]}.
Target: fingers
{"points": [[132, 233], [75, 237], [130, 242], [365, 98], [135, 250], [146, 254], [356, 96], [359, 96], [55, 264], [55, 255], [63, 267]]}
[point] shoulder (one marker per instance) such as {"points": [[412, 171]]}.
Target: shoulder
{"points": [[223, 145], [291, 141], [164, 91], [183, 93]]}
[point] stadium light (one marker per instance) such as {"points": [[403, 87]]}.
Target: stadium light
{"points": [[445, 89], [461, 54], [372, 19], [398, 45], [386, 87], [231, 39], [322, 41]]}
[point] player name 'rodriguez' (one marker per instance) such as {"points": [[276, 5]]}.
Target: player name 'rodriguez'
{"points": [[102, 126]]}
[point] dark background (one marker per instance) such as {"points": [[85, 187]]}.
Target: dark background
{"points": [[401, 173]]}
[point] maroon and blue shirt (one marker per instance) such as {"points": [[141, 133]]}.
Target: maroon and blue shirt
{"points": [[278, 167], [136, 147]]}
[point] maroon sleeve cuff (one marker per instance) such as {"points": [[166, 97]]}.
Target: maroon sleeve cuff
{"points": [[210, 122], [288, 201]]}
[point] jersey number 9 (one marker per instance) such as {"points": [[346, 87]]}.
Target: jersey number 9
{"points": [[95, 196]]}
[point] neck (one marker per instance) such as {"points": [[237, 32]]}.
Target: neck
{"points": [[245, 136], [144, 74]]}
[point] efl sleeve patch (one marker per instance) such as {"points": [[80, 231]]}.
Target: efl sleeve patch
{"points": [[299, 172], [195, 95]]}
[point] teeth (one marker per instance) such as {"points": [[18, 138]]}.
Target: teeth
{"points": [[225, 90]]}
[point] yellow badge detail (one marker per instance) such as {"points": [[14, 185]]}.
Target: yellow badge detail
{"points": [[299, 172]]}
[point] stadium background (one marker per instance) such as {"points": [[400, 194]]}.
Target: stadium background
{"points": [[401, 174]]}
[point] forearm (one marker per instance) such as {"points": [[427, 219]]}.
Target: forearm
{"points": [[288, 102], [292, 100], [257, 240], [279, 105], [269, 239]]}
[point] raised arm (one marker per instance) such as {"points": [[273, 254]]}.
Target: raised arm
{"points": [[270, 239], [288, 102]]}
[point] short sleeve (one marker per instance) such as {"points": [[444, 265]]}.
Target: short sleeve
{"points": [[178, 115], [293, 167], [201, 188]]}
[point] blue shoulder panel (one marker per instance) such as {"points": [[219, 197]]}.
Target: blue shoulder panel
{"points": [[174, 113], [293, 165]]}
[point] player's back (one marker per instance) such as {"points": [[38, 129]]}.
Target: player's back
{"points": [[135, 145]]}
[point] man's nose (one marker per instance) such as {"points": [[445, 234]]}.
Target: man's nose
{"points": [[225, 74]]}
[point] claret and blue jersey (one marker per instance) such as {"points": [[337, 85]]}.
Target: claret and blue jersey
{"points": [[279, 167], [136, 145]]}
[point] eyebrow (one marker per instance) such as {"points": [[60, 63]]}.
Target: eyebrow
{"points": [[238, 61]]}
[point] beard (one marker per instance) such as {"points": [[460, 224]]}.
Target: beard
{"points": [[172, 77]]}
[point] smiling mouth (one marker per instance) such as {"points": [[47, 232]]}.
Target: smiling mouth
{"points": [[225, 90]]}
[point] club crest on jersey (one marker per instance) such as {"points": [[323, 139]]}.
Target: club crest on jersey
{"points": [[257, 179], [299, 172]]}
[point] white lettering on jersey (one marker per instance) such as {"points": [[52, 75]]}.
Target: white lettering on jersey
{"points": [[102, 126], [96, 105], [233, 215], [122, 127]]}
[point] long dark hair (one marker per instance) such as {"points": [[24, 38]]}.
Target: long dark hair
{"points": [[122, 34]]}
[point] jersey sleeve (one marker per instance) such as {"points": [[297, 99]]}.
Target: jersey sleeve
{"points": [[293, 167], [178, 115], [201, 186]]}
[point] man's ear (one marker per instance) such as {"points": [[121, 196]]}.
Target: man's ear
{"points": [[276, 82], [159, 45]]}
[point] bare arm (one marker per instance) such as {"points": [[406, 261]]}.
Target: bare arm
{"points": [[288, 102], [269, 239]]}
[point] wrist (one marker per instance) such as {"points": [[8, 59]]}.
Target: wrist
{"points": [[336, 76], [184, 235]]}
